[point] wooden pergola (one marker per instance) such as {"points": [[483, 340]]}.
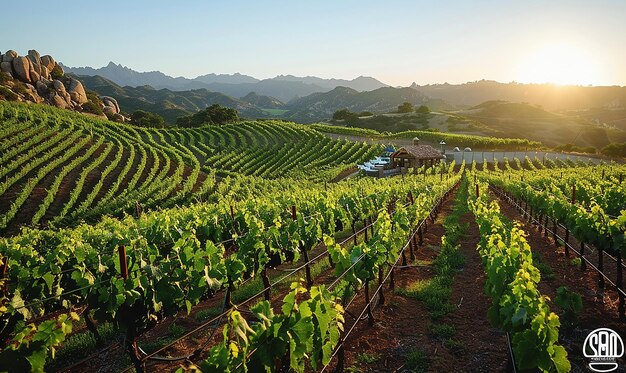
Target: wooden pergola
{"points": [[415, 156]]}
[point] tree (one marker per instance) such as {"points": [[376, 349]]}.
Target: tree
{"points": [[406, 107], [146, 119], [214, 114], [341, 114], [615, 149], [423, 109]]}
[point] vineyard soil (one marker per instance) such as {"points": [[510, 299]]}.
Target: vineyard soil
{"points": [[402, 324], [599, 307]]}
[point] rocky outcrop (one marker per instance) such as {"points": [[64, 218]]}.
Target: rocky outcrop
{"points": [[37, 78]]}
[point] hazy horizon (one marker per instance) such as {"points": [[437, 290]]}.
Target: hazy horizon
{"points": [[344, 78], [398, 42]]}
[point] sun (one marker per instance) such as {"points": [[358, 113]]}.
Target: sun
{"points": [[560, 64]]}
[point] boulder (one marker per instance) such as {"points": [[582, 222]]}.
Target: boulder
{"points": [[21, 66], [110, 101], [6, 67], [42, 88], [77, 91], [118, 118], [45, 73], [59, 87], [48, 62], [8, 74], [57, 100], [35, 61], [9, 56], [34, 76], [109, 111]]}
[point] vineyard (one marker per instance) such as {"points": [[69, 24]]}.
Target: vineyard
{"points": [[233, 248], [60, 168]]}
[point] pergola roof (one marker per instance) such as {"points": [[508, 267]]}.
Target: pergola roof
{"points": [[417, 152]]}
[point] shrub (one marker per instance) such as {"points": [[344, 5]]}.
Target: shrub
{"points": [[7, 94], [92, 108], [571, 303], [57, 72], [147, 119], [214, 114], [4, 78], [406, 107], [423, 109], [615, 150]]}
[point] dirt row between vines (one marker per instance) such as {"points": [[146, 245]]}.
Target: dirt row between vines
{"points": [[599, 306], [402, 324]]}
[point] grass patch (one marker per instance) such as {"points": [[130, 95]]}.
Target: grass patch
{"points": [[417, 361], [441, 331], [455, 346], [576, 262], [435, 292], [367, 358], [82, 344]]}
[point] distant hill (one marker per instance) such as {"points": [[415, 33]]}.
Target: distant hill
{"points": [[265, 102], [283, 87], [322, 105], [550, 97], [524, 120], [167, 103], [499, 108], [362, 83]]}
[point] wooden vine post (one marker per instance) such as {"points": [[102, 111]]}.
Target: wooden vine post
{"points": [[305, 254], [3, 276], [131, 332], [365, 229], [370, 315], [620, 284], [267, 286], [413, 242], [601, 266], [583, 263]]}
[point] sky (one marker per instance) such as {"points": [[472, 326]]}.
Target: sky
{"points": [[397, 42]]}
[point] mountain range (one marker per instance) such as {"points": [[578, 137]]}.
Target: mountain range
{"points": [[312, 108], [549, 96], [167, 103], [311, 99], [282, 87]]}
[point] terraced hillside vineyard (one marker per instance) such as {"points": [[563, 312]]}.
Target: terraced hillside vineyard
{"points": [[59, 168]]}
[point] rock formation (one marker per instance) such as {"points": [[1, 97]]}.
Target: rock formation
{"points": [[37, 78]]}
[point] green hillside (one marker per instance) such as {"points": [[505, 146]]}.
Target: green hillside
{"points": [[59, 167], [169, 104]]}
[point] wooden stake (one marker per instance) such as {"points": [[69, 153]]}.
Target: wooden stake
{"points": [[267, 285], [620, 285], [121, 250], [601, 267], [380, 283], [370, 315], [583, 263], [305, 253]]}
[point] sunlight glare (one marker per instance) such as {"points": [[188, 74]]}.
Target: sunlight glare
{"points": [[559, 64]]}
